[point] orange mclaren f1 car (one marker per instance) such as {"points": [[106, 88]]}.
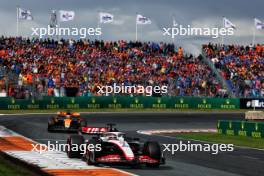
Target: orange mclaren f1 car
{"points": [[66, 121]]}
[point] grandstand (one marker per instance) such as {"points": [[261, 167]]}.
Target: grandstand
{"points": [[242, 67], [50, 68]]}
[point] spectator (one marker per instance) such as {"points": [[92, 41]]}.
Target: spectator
{"points": [[241, 66], [51, 67]]}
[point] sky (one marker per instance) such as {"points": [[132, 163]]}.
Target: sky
{"points": [[197, 13]]}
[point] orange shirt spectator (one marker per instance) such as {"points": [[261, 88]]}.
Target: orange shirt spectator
{"points": [[50, 91], [29, 78], [180, 52]]}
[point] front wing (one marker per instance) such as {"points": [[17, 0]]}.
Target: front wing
{"points": [[117, 159], [63, 128]]}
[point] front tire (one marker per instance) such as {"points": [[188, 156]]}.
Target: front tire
{"points": [[91, 158], [153, 150], [73, 142]]}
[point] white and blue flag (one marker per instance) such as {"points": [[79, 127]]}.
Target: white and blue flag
{"points": [[142, 19], [66, 15], [24, 14], [106, 17], [258, 24], [228, 23]]}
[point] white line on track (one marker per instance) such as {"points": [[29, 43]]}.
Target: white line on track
{"points": [[171, 137], [250, 157]]}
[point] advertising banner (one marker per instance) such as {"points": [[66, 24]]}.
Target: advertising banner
{"points": [[251, 103]]}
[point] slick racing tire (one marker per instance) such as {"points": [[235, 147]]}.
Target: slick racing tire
{"points": [[92, 154], [83, 123], [51, 123], [153, 150], [91, 158], [74, 149]]}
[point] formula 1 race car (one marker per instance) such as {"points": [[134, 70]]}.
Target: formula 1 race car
{"points": [[66, 121], [113, 147]]}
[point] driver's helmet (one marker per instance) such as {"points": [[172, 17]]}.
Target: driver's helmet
{"points": [[111, 137]]}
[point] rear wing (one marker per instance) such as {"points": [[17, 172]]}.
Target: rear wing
{"points": [[98, 130], [64, 113], [94, 130]]}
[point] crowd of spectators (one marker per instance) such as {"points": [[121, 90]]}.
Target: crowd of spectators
{"points": [[241, 66], [46, 67]]}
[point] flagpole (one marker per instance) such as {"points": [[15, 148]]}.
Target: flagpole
{"points": [[173, 23], [17, 22], [136, 28], [58, 25], [141, 32], [54, 24], [254, 36], [224, 27], [136, 32], [98, 24]]}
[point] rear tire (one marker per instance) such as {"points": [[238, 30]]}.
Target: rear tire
{"points": [[153, 150], [73, 142]]}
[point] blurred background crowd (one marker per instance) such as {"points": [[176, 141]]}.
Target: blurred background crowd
{"points": [[242, 67], [34, 67]]}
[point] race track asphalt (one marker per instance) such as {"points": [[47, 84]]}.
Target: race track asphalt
{"points": [[241, 161]]}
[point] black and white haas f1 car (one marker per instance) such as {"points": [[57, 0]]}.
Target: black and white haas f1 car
{"points": [[115, 148]]}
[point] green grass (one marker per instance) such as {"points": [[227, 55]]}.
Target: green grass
{"points": [[224, 139], [118, 110], [8, 168]]}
